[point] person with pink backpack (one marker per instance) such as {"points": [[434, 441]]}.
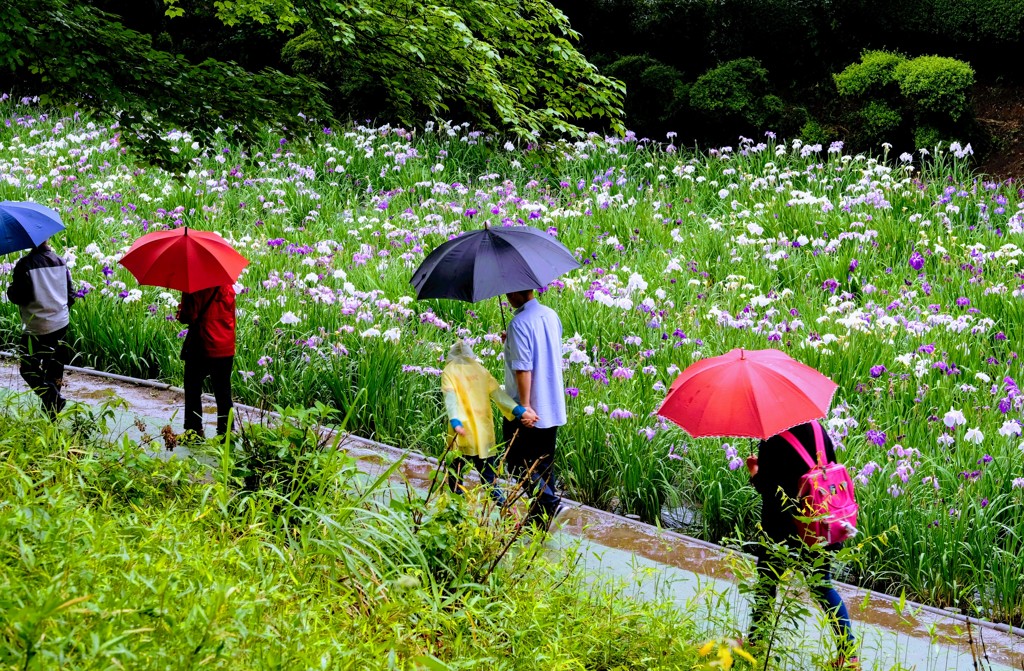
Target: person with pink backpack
{"points": [[807, 500]]}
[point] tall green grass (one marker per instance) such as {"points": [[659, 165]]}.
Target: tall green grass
{"points": [[113, 558]]}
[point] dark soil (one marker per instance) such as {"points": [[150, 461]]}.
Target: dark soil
{"points": [[1000, 111]]}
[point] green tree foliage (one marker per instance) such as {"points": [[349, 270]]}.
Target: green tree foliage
{"points": [[802, 40], [505, 70], [655, 92], [507, 66], [351, 90], [738, 90], [68, 51], [801, 43], [971, 23]]}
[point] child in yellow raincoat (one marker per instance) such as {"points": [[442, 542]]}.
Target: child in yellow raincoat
{"points": [[468, 390]]}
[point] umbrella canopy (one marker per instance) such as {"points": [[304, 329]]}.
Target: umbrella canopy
{"points": [[747, 393], [490, 262], [184, 260], [23, 225]]}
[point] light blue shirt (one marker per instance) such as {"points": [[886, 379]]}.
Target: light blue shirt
{"points": [[534, 343]]}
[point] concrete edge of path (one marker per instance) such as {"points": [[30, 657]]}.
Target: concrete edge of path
{"points": [[395, 453]]}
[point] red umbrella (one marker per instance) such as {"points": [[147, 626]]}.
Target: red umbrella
{"points": [[747, 393], [184, 260]]}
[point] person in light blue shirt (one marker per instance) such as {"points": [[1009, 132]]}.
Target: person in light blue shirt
{"points": [[533, 378]]}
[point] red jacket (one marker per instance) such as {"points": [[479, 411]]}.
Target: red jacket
{"points": [[210, 315]]}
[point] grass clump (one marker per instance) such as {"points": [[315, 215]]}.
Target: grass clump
{"points": [[113, 558]]}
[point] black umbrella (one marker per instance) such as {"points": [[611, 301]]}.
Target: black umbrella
{"points": [[491, 262]]}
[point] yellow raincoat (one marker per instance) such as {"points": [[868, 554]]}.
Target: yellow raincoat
{"points": [[468, 390]]}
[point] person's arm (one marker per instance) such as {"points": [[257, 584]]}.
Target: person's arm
{"points": [[189, 306], [506, 404], [21, 291], [452, 405], [519, 355], [524, 382], [761, 478]]}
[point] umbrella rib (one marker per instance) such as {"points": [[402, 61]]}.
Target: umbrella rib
{"points": [[150, 255], [508, 259], [778, 380], [751, 400], [553, 253], [486, 241], [218, 268], [435, 260]]}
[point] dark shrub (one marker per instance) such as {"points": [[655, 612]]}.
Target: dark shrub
{"points": [[815, 132], [737, 93], [351, 91], [656, 94], [930, 137], [880, 122]]}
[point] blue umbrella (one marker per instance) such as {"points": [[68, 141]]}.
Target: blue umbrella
{"points": [[23, 225], [490, 262]]}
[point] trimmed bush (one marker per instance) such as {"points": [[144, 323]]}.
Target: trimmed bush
{"points": [[788, 119], [815, 132], [935, 84], [350, 89], [880, 121], [875, 71], [738, 89], [733, 87], [895, 99], [307, 54], [930, 137]]}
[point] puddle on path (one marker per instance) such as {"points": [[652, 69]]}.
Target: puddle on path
{"points": [[154, 408], [98, 394], [673, 551]]}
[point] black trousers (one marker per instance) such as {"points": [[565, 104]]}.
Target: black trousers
{"points": [[43, 358], [197, 369], [533, 448], [770, 567], [488, 475]]}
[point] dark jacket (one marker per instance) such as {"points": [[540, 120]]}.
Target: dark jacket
{"points": [[210, 315], [41, 288], [779, 469]]}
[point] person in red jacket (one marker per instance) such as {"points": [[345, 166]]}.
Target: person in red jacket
{"points": [[208, 351]]}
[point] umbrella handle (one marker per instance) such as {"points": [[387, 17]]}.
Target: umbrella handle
{"points": [[501, 308]]}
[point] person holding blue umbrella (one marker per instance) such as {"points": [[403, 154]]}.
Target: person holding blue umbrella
{"points": [[41, 288]]}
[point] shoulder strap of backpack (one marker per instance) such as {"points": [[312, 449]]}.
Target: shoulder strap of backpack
{"points": [[791, 439], [819, 444]]}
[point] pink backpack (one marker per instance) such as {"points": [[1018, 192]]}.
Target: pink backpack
{"points": [[828, 510]]}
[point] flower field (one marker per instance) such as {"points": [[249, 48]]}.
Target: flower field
{"points": [[897, 277]]}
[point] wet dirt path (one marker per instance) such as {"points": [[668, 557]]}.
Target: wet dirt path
{"points": [[649, 562]]}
